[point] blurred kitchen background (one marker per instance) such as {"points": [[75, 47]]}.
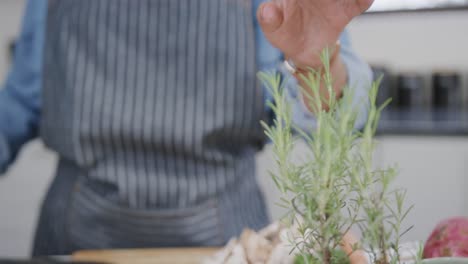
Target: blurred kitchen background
{"points": [[425, 60]]}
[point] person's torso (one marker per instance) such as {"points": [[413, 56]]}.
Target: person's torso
{"points": [[154, 102]]}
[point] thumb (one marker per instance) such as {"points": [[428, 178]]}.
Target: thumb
{"points": [[270, 17]]}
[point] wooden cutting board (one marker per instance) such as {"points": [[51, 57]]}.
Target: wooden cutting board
{"points": [[146, 256]]}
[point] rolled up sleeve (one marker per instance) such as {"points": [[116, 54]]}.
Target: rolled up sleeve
{"points": [[359, 79], [20, 96]]}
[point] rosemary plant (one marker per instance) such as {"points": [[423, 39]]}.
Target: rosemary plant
{"points": [[336, 186]]}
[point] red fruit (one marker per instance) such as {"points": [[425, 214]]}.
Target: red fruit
{"points": [[449, 239]]}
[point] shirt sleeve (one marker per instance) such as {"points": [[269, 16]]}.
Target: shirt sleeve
{"points": [[20, 96]]}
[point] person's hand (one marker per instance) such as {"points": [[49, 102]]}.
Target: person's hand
{"points": [[301, 29]]}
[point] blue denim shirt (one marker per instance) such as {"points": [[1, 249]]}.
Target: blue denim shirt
{"points": [[20, 100]]}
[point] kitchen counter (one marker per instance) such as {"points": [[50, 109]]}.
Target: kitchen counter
{"points": [[146, 256], [421, 122]]}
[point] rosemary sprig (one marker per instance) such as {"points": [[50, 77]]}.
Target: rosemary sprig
{"points": [[337, 188]]}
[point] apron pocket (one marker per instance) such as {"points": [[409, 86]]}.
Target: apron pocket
{"points": [[96, 223]]}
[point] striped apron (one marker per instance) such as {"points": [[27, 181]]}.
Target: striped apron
{"points": [[154, 109]]}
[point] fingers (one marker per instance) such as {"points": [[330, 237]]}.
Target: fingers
{"points": [[270, 16]]}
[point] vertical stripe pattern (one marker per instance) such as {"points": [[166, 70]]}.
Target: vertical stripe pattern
{"points": [[156, 105]]}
